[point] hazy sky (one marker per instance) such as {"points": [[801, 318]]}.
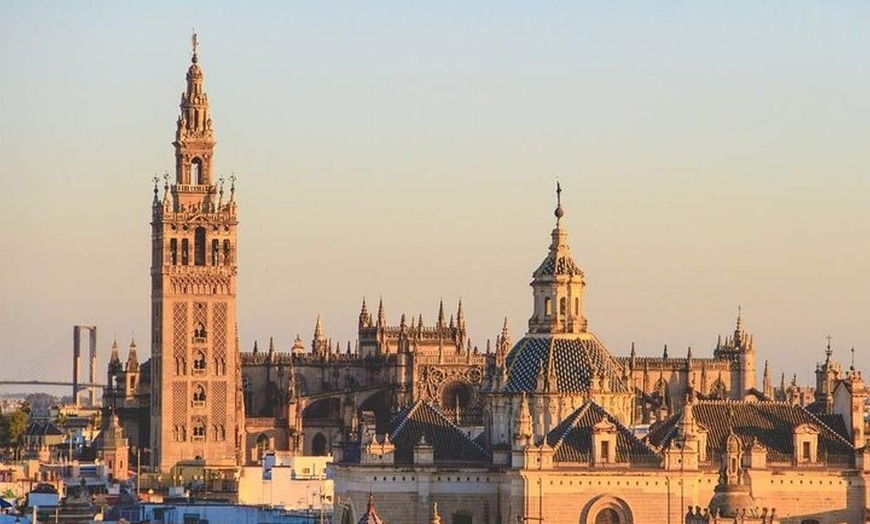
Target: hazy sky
{"points": [[711, 154]]}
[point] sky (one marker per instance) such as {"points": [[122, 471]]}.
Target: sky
{"points": [[712, 155]]}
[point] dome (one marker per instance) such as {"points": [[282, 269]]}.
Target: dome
{"points": [[578, 362], [558, 261], [733, 500]]}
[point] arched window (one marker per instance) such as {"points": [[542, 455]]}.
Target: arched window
{"points": [[318, 445], [607, 516], [199, 393], [227, 252], [198, 430], [196, 172], [563, 306], [185, 251], [215, 251], [548, 306], [173, 251], [199, 364], [199, 246], [576, 306]]}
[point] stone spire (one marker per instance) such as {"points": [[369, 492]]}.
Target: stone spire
{"points": [[319, 345], [558, 285], [523, 424], [115, 356], [371, 514], [441, 315], [132, 357], [382, 319], [766, 384], [460, 317], [365, 319]]}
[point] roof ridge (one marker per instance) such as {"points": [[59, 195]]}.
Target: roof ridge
{"points": [[455, 427], [619, 425], [404, 418], [824, 425], [577, 414]]}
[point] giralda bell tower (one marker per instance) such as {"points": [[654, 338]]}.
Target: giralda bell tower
{"points": [[195, 372]]}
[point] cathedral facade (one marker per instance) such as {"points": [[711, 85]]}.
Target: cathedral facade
{"points": [[551, 428], [561, 443]]}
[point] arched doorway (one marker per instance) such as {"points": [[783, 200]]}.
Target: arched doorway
{"points": [[318, 445], [606, 509]]}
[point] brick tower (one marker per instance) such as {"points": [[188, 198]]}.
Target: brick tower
{"points": [[195, 369]]}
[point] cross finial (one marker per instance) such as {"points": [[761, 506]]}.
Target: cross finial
{"points": [[166, 180], [559, 212], [852, 366], [828, 350]]}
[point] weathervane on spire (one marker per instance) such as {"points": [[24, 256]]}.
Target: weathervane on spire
{"points": [[194, 44], [559, 212]]}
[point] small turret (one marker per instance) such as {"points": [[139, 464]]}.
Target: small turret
{"points": [[132, 358]]}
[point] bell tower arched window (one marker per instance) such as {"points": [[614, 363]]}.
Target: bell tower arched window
{"points": [[199, 246], [173, 251], [185, 251], [548, 306], [196, 174], [215, 251]]}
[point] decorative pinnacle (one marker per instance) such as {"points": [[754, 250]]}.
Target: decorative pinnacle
{"points": [[194, 44], [559, 212], [828, 350]]}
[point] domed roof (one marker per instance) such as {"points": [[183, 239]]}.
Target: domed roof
{"points": [[579, 363], [733, 500], [558, 260]]}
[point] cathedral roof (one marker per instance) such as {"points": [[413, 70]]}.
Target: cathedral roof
{"points": [[450, 443], [578, 362], [572, 439], [771, 424]]}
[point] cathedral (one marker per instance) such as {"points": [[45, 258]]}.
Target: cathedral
{"points": [[551, 428]]}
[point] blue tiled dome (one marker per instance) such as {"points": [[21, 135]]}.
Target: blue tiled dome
{"points": [[577, 361]]}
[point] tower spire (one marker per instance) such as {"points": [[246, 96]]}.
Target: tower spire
{"points": [[558, 285]]}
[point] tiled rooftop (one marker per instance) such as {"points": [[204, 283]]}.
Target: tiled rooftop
{"points": [[576, 360], [450, 443], [572, 439], [772, 424]]}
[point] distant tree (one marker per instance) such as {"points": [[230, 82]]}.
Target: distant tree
{"points": [[12, 428]]}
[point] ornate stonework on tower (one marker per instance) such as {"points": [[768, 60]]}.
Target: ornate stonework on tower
{"points": [[195, 373]]}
